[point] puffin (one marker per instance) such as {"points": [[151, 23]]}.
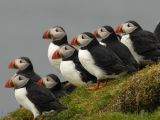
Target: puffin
{"points": [[71, 68], [33, 97], [98, 60], [142, 44], [58, 37], [157, 31], [52, 82], [24, 66], [108, 38]]}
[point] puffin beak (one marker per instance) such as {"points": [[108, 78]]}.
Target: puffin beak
{"points": [[47, 35], [12, 65], [40, 82], [57, 54], [8, 83], [74, 41], [119, 29], [95, 33]]}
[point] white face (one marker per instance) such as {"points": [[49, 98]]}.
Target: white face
{"points": [[128, 28], [57, 33], [21, 64], [66, 51], [102, 33], [19, 80], [84, 40], [49, 82]]}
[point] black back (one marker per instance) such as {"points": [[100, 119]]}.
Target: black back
{"points": [[146, 44], [42, 98], [105, 58], [157, 31]]}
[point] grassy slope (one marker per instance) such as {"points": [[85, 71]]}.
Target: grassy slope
{"points": [[91, 105]]}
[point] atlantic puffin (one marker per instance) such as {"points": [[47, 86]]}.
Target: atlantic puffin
{"points": [[33, 97], [52, 82], [24, 66], [157, 31], [71, 68], [58, 37], [98, 60], [142, 44], [108, 38]]}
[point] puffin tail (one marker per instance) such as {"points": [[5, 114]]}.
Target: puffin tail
{"points": [[58, 106], [157, 31]]}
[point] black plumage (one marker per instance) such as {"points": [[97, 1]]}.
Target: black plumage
{"points": [[120, 49], [104, 57], [42, 98]]}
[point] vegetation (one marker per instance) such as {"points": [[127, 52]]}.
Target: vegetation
{"points": [[134, 97]]}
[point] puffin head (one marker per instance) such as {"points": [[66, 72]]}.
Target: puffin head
{"points": [[103, 32], [16, 81], [64, 51], [83, 39], [20, 63], [54, 33], [128, 27], [50, 81]]}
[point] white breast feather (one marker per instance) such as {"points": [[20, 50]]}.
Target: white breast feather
{"points": [[22, 99], [127, 41], [56, 62], [70, 74], [89, 64]]}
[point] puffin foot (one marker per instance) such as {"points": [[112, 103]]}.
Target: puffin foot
{"points": [[97, 86]]}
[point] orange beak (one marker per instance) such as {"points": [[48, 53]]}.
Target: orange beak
{"points": [[119, 29], [9, 84], [56, 54], [95, 34], [40, 82], [47, 35], [74, 41], [12, 65]]}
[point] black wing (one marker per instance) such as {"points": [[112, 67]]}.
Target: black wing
{"points": [[123, 53], [43, 98], [146, 44], [107, 60]]}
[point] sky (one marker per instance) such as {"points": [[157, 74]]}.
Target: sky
{"points": [[22, 23]]}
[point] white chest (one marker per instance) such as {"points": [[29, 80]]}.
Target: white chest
{"points": [[126, 41], [56, 62], [70, 74], [89, 64], [22, 99]]}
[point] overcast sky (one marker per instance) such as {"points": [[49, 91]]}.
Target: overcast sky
{"points": [[22, 23]]}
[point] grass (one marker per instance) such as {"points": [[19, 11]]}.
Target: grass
{"points": [[95, 105]]}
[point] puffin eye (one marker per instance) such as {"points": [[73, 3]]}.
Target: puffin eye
{"points": [[57, 30], [101, 30], [82, 37], [21, 61], [20, 78], [65, 48], [128, 25], [47, 79]]}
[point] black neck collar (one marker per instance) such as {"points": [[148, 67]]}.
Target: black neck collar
{"points": [[60, 42], [111, 38], [75, 54], [93, 43]]}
